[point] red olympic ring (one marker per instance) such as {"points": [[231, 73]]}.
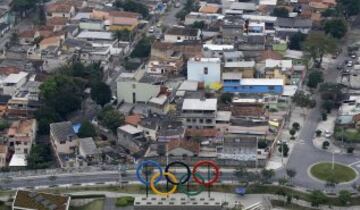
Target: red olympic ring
{"points": [[206, 163]]}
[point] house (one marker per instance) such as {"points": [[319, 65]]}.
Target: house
{"points": [[138, 87], [91, 24], [246, 68], [243, 7], [209, 8], [13, 82], [88, 150], [26, 37], [131, 138], [216, 50], [53, 41], [57, 22], [64, 142], [170, 129], [4, 151], [21, 135], [95, 36], [26, 101], [31, 200], [180, 34], [199, 113], [183, 148], [232, 29], [293, 25], [253, 42], [207, 70], [207, 18], [159, 104], [279, 69], [253, 86], [60, 9], [116, 20], [164, 67], [176, 51]]}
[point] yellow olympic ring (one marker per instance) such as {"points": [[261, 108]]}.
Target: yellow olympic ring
{"points": [[156, 191]]}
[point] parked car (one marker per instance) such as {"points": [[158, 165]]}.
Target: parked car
{"points": [[327, 134], [349, 64]]}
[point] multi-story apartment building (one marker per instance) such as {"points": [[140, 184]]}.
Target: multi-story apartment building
{"points": [[199, 113]]}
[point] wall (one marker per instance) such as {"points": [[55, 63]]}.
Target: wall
{"points": [[143, 91], [195, 71]]}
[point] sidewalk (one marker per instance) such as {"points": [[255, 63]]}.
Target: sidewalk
{"points": [[277, 161]]}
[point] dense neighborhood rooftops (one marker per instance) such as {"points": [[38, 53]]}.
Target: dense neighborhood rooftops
{"points": [[192, 146], [249, 6], [95, 35], [200, 104], [182, 31], [40, 201]]}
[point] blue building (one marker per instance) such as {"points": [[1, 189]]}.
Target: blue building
{"points": [[253, 86]]}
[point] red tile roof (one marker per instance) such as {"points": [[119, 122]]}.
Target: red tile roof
{"points": [[133, 119], [192, 146]]}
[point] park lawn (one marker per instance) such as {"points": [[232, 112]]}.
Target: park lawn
{"points": [[124, 201], [341, 173], [94, 205]]}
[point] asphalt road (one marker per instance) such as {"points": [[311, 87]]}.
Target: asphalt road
{"points": [[305, 154]]}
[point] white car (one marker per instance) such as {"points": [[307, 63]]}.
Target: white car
{"points": [[327, 134], [151, 29], [349, 64]]}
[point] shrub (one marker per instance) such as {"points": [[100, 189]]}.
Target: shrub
{"points": [[124, 201], [325, 145], [296, 126], [318, 133], [350, 150], [324, 116]]}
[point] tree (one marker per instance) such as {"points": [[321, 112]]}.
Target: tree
{"points": [[110, 118], [296, 126], [46, 115], [142, 49], [132, 6], [23, 6], [315, 77], [284, 149], [325, 144], [301, 99], [344, 197], [280, 12], [14, 38], [332, 91], [262, 144], [330, 12], [328, 105], [350, 7], [317, 198], [337, 28], [324, 116], [318, 133], [291, 173], [267, 175], [86, 130], [121, 35], [199, 25], [40, 16], [296, 41], [317, 44], [40, 157], [62, 94], [226, 98], [292, 132], [101, 93]]}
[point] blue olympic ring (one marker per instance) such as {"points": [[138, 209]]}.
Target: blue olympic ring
{"points": [[147, 163]]}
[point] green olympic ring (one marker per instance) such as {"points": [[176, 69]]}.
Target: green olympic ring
{"points": [[182, 187]]}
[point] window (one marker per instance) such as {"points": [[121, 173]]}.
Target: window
{"points": [[206, 70], [201, 120]]}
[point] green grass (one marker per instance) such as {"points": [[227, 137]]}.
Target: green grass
{"points": [[341, 173], [124, 201], [94, 205]]}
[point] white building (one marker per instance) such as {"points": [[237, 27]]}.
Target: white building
{"points": [[207, 70], [14, 82]]}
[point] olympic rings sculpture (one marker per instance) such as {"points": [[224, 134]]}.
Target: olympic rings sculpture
{"points": [[190, 175]]}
